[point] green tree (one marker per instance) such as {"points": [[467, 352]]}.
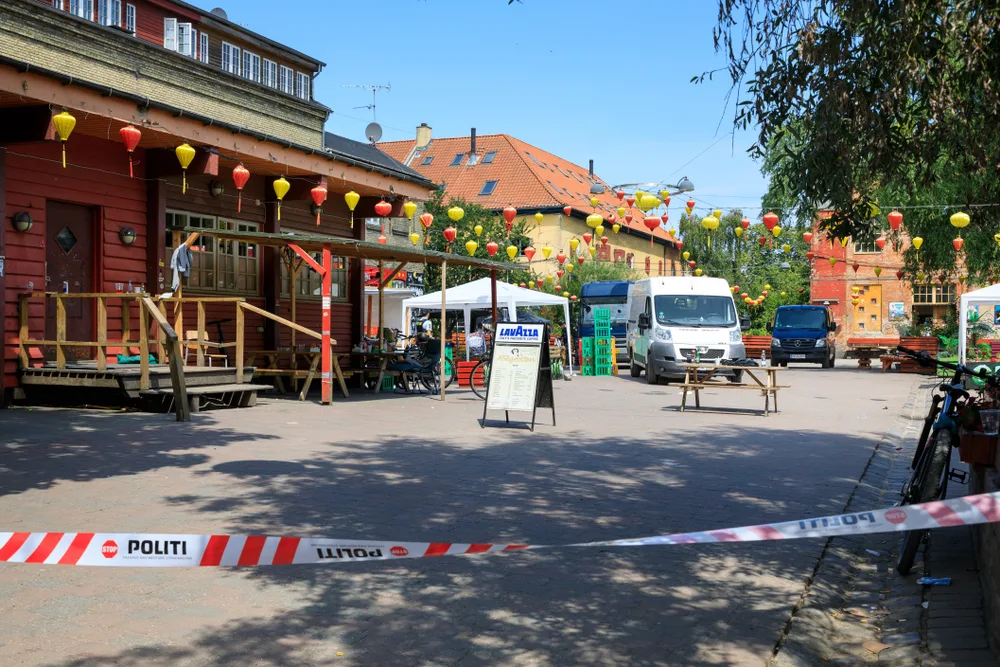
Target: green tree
{"points": [[749, 264]]}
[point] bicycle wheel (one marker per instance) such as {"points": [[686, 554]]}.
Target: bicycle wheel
{"points": [[480, 378], [926, 490]]}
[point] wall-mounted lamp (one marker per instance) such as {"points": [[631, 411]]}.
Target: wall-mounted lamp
{"points": [[127, 235], [314, 209], [216, 188], [22, 221]]}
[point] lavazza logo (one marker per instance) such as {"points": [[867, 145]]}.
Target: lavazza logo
{"points": [[520, 333]]}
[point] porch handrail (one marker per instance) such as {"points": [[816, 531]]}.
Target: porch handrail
{"points": [[175, 355]]}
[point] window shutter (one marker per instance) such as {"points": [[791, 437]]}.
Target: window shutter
{"points": [[170, 34]]}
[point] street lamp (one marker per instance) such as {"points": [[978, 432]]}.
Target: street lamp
{"points": [[684, 185]]}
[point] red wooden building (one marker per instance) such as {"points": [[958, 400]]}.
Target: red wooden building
{"points": [[179, 75]]}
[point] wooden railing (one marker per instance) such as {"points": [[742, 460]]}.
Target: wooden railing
{"points": [[167, 340]]}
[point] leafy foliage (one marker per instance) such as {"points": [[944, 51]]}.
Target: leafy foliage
{"points": [[867, 98]]}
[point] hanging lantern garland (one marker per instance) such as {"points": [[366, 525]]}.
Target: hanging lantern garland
{"points": [[319, 197], [130, 137], [959, 221], [352, 198], [64, 123], [240, 177], [710, 223], [184, 154], [426, 219], [281, 188]]}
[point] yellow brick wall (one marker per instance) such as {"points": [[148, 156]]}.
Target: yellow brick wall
{"points": [[557, 229], [59, 42]]}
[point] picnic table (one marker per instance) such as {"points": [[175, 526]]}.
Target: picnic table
{"points": [[311, 357], [700, 376], [366, 367], [867, 348]]}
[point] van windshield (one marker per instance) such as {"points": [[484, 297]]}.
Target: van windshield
{"points": [[805, 318], [695, 311], [617, 312]]}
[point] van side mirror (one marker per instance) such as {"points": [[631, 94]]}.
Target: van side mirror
{"points": [[770, 327], [643, 321], [744, 323], [833, 326]]}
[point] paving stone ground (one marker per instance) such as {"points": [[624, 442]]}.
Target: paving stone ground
{"points": [[622, 462], [858, 610]]}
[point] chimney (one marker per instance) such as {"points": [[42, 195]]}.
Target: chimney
{"points": [[472, 142], [423, 136], [591, 170]]}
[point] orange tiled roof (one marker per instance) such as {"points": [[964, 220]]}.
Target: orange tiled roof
{"points": [[527, 178]]}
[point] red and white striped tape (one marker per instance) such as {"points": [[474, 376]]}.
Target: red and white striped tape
{"points": [[152, 550]]}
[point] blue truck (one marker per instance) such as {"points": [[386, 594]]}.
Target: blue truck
{"points": [[803, 334], [613, 295]]}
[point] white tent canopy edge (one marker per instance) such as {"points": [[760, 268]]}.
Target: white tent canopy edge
{"points": [[984, 296]]}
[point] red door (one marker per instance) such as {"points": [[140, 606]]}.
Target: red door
{"points": [[69, 261]]}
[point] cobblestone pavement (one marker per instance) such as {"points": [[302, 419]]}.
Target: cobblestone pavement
{"points": [[858, 610], [622, 462]]}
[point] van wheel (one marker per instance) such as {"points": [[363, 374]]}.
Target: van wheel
{"points": [[634, 369], [826, 363], [651, 376]]}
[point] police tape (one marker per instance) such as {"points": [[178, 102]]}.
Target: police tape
{"points": [[149, 550]]}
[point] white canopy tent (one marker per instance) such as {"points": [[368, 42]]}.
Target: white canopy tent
{"points": [[985, 296], [477, 295]]}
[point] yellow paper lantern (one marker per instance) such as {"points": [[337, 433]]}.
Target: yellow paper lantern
{"points": [[776, 231], [548, 279], [281, 188], [594, 201], [786, 248], [665, 195], [352, 198], [615, 227], [566, 294], [710, 223], [592, 250], [599, 231], [917, 242], [569, 267], [409, 208], [621, 210], [738, 231], [878, 271], [573, 245], [531, 284], [717, 213], [833, 260], [470, 247], [686, 255], [456, 213], [784, 294], [920, 277], [594, 219], [414, 238], [539, 217], [767, 288], [959, 220], [647, 203], [698, 272], [478, 229], [184, 154], [512, 251], [546, 250], [64, 123], [996, 238]]}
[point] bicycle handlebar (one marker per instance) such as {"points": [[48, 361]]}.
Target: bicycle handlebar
{"points": [[925, 359]]}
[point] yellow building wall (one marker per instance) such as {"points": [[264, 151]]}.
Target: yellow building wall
{"points": [[556, 230]]}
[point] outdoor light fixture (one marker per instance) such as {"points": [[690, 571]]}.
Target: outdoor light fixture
{"points": [[127, 235], [685, 185], [21, 221], [216, 188]]}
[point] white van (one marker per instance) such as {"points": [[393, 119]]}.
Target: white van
{"points": [[673, 320]]}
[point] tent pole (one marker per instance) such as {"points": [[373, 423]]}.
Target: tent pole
{"points": [[444, 305], [569, 338], [381, 307], [493, 295]]}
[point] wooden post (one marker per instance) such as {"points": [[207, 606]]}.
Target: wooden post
{"points": [[493, 295], [381, 304], [325, 349], [126, 323], [144, 383], [60, 331], [160, 336], [201, 334], [24, 332], [102, 333], [239, 342], [444, 288]]}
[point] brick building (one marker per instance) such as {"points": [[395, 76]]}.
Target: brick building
{"points": [[885, 300], [179, 75], [499, 170]]}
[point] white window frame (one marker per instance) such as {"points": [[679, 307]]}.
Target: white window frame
{"points": [[185, 39], [221, 261], [203, 47], [303, 85], [232, 58], [58, 4], [286, 80], [82, 8], [269, 73], [251, 66], [130, 18], [170, 34]]}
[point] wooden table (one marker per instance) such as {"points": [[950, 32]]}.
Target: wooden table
{"points": [[699, 376], [312, 357], [383, 361]]}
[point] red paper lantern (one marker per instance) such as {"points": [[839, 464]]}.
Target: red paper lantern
{"points": [[628, 218], [382, 239], [130, 137], [612, 219], [561, 258], [899, 274], [763, 240], [880, 243], [588, 237], [449, 233], [559, 273], [620, 194], [855, 266], [692, 264], [630, 200], [810, 255], [523, 286], [383, 208], [690, 203], [895, 220], [604, 240], [652, 222], [664, 218], [319, 196], [770, 220], [680, 244], [807, 237], [529, 252], [491, 248], [579, 259], [958, 243], [427, 220], [573, 298], [745, 223], [240, 177], [568, 210], [744, 295]]}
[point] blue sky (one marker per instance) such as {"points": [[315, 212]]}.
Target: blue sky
{"points": [[579, 78]]}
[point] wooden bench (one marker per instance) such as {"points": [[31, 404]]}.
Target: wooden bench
{"points": [[292, 371], [919, 344], [698, 377], [889, 359]]}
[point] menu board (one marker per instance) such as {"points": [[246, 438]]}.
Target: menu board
{"points": [[520, 370]]}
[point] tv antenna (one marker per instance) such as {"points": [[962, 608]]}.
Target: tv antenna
{"points": [[374, 89]]}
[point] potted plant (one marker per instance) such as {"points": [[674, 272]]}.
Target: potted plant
{"points": [[976, 444]]}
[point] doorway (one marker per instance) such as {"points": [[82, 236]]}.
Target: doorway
{"points": [[69, 266]]}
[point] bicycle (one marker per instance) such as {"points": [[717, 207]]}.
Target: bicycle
{"points": [[930, 477]]}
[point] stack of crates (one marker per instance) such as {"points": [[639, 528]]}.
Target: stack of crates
{"points": [[587, 356], [603, 342]]}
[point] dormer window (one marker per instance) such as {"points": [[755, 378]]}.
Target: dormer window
{"points": [[231, 58], [82, 8], [109, 12]]}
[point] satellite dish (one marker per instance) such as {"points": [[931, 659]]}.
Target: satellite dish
{"points": [[221, 13], [373, 132]]}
